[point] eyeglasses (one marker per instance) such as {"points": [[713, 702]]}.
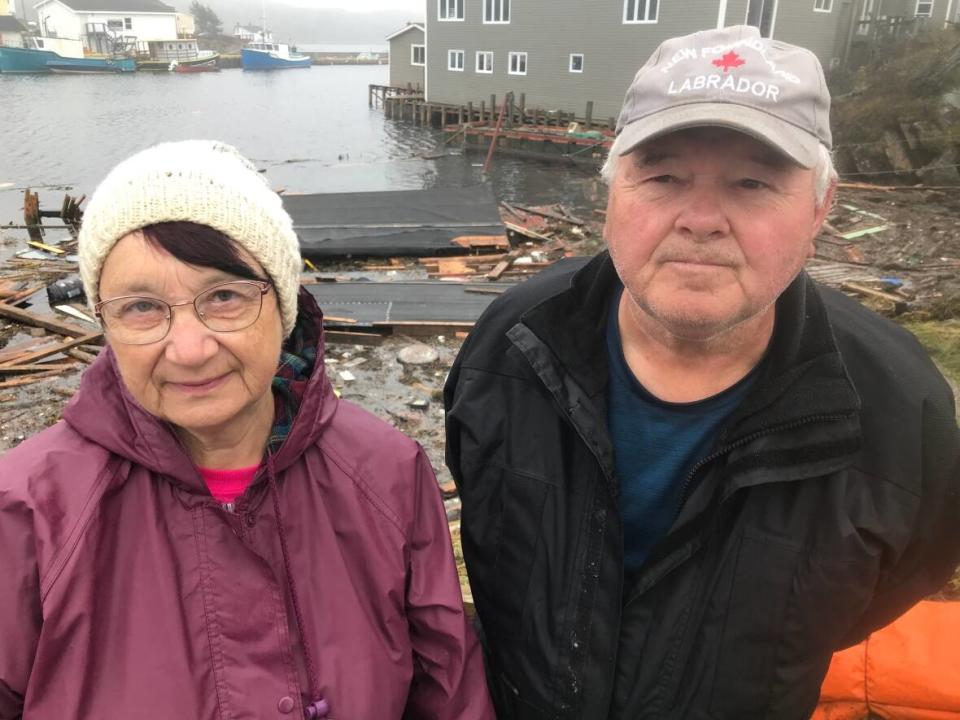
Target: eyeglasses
{"points": [[227, 307]]}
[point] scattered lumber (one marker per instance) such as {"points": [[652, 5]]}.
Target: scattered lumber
{"points": [[30, 357], [26, 317]]}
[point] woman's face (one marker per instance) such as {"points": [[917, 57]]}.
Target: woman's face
{"points": [[198, 379]]}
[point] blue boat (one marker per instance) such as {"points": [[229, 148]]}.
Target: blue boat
{"points": [[23, 60], [92, 65], [40, 60], [272, 56]]}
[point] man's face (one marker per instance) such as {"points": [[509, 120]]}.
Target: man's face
{"points": [[706, 228]]}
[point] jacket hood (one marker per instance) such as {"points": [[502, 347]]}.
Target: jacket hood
{"points": [[104, 412]]}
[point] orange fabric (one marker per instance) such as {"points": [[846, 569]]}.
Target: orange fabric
{"points": [[909, 670]]}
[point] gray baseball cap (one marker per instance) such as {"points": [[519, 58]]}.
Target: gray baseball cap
{"points": [[731, 78]]}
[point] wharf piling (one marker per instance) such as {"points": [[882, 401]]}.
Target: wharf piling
{"points": [[530, 131]]}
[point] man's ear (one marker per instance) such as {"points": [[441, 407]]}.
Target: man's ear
{"points": [[820, 216]]}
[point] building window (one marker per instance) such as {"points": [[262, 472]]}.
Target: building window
{"points": [[115, 24], [762, 14], [517, 64], [418, 54], [640, 11], [450, 10], [484, 61], [866, 17], [824, 6], [128, 23], [576, 62], [924, 9], [455, 60], [496, 11]]}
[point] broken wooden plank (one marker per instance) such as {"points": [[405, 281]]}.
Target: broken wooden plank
{"points": [[23, 294], [341, 337], [46, 248], [35, 368], [526, 232], [52, 350], [481, 241], [30, 379], [548, 214], [899, 304], [81, 355], [52, 324]]}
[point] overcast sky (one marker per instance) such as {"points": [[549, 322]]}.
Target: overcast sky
{"points": [[415, 7]]}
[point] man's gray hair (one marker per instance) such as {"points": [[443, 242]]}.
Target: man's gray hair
{"points": [[824, 172]]}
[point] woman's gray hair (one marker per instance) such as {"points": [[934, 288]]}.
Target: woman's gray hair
{"points": [[824, 172]]}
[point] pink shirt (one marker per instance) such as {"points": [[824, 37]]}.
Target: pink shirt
{"points": [[227, 485]]}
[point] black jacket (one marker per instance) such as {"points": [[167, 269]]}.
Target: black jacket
{"points": [[829, 506]]}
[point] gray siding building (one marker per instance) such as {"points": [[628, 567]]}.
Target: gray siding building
{"points": [[407, 56], [561, 54]]}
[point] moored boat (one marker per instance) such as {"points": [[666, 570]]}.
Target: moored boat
{"points": [[33, 58], [90, 65], [272, 56], [207, 66], [161, 54]]}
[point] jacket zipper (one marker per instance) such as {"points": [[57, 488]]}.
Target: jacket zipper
{"points": [[688, 482]]}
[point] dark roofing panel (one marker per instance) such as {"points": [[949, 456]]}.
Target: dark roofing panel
{"points": [[8, 23], [392, 223], [118, 6]]}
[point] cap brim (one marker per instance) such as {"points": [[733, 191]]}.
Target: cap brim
{"points": [[798, 145]]}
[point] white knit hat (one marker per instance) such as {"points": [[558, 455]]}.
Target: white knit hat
{"points": [[200, 181]]}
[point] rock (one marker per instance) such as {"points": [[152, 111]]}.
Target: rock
{"points": [[942, 171], [418, 404], [418, 354], [896, 152], [347, 376], [449, 489]]}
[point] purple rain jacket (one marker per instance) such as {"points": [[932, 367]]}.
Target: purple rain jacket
{"points": [[127, 591]]}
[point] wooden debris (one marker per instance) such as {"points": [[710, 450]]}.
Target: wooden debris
{"points": [[28, 369], [899, 304], [337, 337], [526, 232], [30, 357], [28, 318]]}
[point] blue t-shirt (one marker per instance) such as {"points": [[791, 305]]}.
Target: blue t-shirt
{"points": [[655, 446]]}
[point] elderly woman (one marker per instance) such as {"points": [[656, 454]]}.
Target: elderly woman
{"points": [[210, 532]]}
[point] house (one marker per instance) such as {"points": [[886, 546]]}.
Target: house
{"points": [[563, 53], [408, 56], [11, 31], [7, 7], [107, 25], [252, 33]]}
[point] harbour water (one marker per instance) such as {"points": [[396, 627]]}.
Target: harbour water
{"points": [[310, 129]]}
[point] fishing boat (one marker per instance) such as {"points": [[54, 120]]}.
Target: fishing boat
{"points": [[162, 54], [208, 66], [37, 52], [272, 56], [92, 65]]}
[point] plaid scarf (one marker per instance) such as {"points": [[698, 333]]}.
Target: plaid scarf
{"points": [[297, 360]]}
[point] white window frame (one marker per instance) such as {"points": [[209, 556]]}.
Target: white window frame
{"points": [[413, 55], [489, 65], [637, 19], [866, 15], [452, 55], [450, 10], [929, 13], [582, 62], [517, 55], [490, 14], [773, 18], [823, 6]]}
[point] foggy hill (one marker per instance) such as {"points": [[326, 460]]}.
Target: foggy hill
{"points": [[309, 25]]}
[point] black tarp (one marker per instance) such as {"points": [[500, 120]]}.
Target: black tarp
{"points": [[384, 302], [416, 223]]}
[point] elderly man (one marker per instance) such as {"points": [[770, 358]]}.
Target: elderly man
{"points": [[690, 474]]}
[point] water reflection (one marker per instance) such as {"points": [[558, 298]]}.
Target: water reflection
{"points": [[311, 130]]}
